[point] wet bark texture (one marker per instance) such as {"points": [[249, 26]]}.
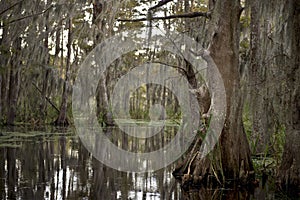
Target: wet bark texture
{"points": [[232, 159], [224, 50], [258, 94], [289, 171]]}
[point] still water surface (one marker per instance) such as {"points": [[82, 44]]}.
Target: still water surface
{"points": [[51, 163]]}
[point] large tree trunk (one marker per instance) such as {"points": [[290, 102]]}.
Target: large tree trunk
{"points": [[224, 50], [258, 96], [289, 171], [234, 148]]}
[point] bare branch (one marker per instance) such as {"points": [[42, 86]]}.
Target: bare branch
{"points": [[173, 66], [10, 7], [28, 16], [47, 98], [161, 3], [185, 15]]}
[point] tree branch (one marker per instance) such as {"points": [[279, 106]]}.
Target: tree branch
{"points": [[173, 66], [10, 7], [49, 101], [28, 16], [161, 3], [185, 15]]}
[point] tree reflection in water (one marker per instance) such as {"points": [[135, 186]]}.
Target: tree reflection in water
{"points": [[51, 163]]}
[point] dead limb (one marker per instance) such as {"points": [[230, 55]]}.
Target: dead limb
{"points": [[48, 100], [185, 15], [28, 16], [10, 7], [161, 3]]}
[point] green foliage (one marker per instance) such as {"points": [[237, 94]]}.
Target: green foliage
{"points": [[171, 114], [101, 119], [266, 162], [139, 114], [278, 142]]}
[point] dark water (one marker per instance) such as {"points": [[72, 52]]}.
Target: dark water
{"points": [[52, 163]]}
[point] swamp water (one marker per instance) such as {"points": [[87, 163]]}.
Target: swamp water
{"points": [[52, 163]]}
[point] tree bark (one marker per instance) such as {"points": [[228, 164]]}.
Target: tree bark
{"points": [[257, 81], [3, 61], [103, 105], [102, 95], [290, 167], [14, 82], [234, 149], [45, 62], [225, 52], [62, 118], [1, 99]]}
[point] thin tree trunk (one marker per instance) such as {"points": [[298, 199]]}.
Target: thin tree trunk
{"points": [[154, 96], [102, 95], [44, 95], [1, 103], [4, 71], [47, 72], [14, 84], [137, 107], [62, 118], [104, 106], [57, 41]]}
